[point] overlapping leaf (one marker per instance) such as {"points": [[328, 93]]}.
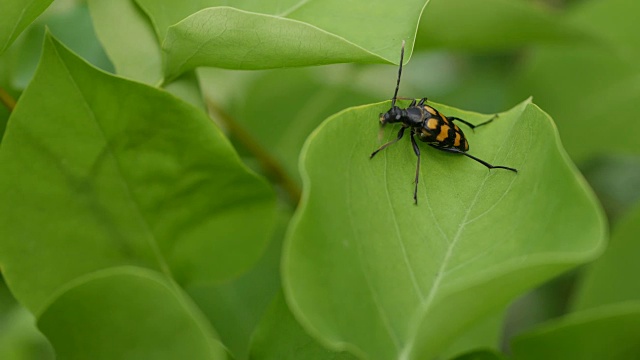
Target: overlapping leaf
{"points": [[131, 42], [607, 317], [261, 35], [368, 271], [608, 332], [100, 172], [99, 319], [16, 15]]}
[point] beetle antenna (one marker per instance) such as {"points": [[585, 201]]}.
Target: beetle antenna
{"points": [[395, 94]]}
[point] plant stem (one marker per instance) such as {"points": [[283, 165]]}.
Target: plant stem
{"points": [[7, 99], [274, 170]]}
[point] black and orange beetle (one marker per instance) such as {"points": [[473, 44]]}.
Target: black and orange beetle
{"points": [[431, 126]]}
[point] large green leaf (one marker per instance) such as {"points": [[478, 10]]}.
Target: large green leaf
{"points": [[492, 25], [15, 16], [98, 172], [128, 39], [128, 313], [261, 35], [607, 332], [365, 269]]}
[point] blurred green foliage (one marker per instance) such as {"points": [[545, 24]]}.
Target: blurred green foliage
{"points": [[578, 60]]}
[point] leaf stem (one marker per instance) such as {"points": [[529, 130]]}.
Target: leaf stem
{"points": [[7, 99], [271, 166]]}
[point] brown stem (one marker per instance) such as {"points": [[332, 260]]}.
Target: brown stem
{"points": [[7, 100], [269, 164]]}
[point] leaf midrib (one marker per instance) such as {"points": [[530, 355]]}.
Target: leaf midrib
{"points": [[151, 238]]}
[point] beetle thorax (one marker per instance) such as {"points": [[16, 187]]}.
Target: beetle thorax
{"points": [[411, 116]]}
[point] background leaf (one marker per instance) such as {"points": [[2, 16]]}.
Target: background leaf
{"points": [[366, 270], [258, 36], [16, 16], [70, 24], [128, 38], [600, 285], [120, 174], [127, 313], [609, 332], [282, 107], [493, 25], [581, 85], [280, 337], [19, 337]]}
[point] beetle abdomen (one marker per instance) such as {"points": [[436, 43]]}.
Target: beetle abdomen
{"points": [[442, 132]]}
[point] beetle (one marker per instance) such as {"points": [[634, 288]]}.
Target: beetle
{"points": [[431, 126]]}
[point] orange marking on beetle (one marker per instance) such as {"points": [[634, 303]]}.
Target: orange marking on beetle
{"points": [[444, 133], [456, 142], [431, 110], [466, 145], [432, 123]]}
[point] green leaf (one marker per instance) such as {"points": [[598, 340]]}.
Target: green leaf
{"points": [[127, 313], [492, 25], [16, 15], [259, 35], [237, 306], [280, 337], [605, 282], [71, 23], [607, 323], [129, 39], [282, 107], [480, 355], [109, 172], [364, 269], [607, 332], [485, 333], [19, 337]]}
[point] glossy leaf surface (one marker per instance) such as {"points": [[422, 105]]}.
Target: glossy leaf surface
{"points": [[367, 270], [117, 173], [262, 35]]}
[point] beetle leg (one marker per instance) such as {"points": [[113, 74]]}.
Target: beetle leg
{"points": [[400, 134], [473, 127], [489, 166], [416, 150], [422, 101]]}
